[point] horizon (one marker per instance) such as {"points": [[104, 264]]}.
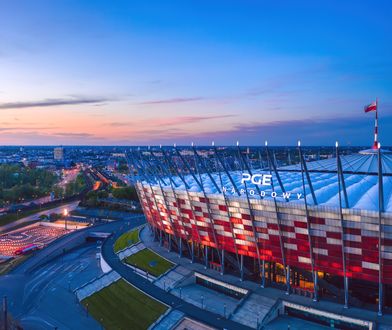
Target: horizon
{"points": [[261, 145], [145, 73]]}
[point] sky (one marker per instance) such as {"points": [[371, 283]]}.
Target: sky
{"points": [[149, 72]]}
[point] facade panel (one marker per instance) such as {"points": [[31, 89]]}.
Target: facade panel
{"points": [[228, 225]]}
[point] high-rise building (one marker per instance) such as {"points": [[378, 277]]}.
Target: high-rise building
{"points": [[58, 153]]}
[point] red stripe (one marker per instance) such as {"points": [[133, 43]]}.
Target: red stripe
{"points": [[371, 107]]}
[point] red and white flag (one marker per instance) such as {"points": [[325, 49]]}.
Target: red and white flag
{"points": [[371, 107]]}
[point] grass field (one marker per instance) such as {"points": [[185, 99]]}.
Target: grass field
{"points": [[126, 239], [5, 268], [121, 306], [150, 262]]}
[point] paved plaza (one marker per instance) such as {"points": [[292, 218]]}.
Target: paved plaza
{"points": [[207, 299]]}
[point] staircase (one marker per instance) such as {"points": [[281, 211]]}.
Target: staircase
{"points": [[253, 310]]}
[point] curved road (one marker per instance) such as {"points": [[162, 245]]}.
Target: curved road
{"points": [[40, 290], [144, 285]]}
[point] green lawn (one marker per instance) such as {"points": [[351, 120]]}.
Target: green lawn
{"points": [[126, 239], [150, 262], [120, 306]]}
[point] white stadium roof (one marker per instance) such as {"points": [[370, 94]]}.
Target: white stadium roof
{"points": [[365, 162], [360, 175]]}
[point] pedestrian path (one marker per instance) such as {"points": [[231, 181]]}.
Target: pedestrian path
{"points": [[131, 250], [96, 285], [207, 299]]}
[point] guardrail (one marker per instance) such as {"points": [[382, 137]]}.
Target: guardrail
{"points": [[270, 315], [239, 305]]}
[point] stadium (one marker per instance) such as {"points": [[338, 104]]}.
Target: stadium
{"points": [[314, 225]]}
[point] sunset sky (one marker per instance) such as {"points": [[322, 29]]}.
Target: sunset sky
{"points": [[176, 71]]}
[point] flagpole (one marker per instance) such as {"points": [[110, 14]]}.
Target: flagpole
{"points": [[375, 145]]}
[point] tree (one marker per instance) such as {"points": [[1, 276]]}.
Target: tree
{"points": [[123, 167], [43, 217], [125, 193]]}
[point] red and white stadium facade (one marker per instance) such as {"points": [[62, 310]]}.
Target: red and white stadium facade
{"points": [[341, 227]]}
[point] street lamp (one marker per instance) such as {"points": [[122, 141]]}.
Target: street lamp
{"points": [[65, 213]]}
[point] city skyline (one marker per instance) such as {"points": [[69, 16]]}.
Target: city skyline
{"points": [[180, 72]]}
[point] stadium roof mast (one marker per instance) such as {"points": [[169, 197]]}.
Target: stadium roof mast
{"points": [[208, 208], [304, 169], [281, 243], [240, 258], [199, 161], [178, 212], [187, 166], [340, 184], [196, 160], [131, 161], [245, 163], [200, 184], [140, 169], [252, 218], [273, 164], [380, 211], [225, 169], [170, 164], [174, 229]]}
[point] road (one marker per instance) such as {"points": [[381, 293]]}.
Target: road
{"points": [[40, 291], [68, 176], [59, 209], [44, 299]]}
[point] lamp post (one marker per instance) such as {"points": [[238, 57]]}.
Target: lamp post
{"points": [[5, 313], [65, 213]]}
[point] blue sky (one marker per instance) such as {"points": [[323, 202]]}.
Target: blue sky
{"points": [[151, 72]]}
